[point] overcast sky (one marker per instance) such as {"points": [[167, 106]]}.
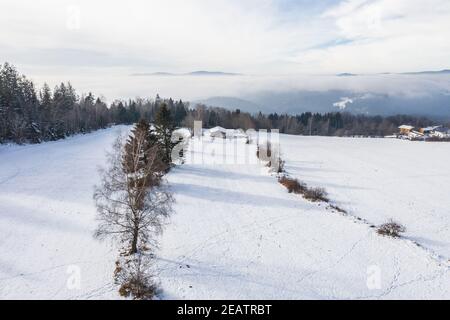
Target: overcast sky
{"points": [[248, 36], [49, 39]]}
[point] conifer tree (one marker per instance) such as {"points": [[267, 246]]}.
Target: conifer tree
{"points": [[164, 127]]}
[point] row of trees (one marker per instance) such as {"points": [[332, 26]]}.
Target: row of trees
{"points": [[133, 201], [31, 115], [328, 124]]}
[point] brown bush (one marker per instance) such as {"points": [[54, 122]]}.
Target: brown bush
{"points": [[134, 276], [316, 194], [297, 187], [138, 290], [293, 185], [391, 229]]}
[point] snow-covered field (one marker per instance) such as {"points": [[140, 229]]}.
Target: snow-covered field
{"points": [[236, 232], [47, 219], [379, 179]]}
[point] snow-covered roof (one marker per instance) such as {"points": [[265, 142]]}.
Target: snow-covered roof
{"points": [[431, 128], [217, 129], [406, 127], [185, 132]]}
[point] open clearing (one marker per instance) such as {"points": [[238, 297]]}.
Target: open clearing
{"points": [[379, 179], [236, 232]]}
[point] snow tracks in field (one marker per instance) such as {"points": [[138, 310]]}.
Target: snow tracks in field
{"points": [[238, 234]]}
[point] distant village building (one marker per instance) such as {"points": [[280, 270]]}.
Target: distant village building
{"points": [[429, 130], [415, 135], [218, 132], [408, 132], [405, 129], [441, 132]]}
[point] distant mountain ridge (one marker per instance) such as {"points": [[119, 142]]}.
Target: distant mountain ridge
{"points": [[200, 73], [445, 71], [213, 73], [367, 103], [431, 72], [221, 73]]}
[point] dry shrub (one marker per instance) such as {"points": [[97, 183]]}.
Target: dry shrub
{"points": [[391, 229], [316, 194], [133, 274], [137, 289], [293, 185], [297, 187]]}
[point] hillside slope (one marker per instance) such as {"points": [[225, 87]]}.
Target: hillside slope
{"points": [[238, 234], [379, 179], [47, 220]]}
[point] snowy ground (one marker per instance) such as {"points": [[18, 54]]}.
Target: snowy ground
{"points": [[379, 179], [236, 232], [47, 219]]}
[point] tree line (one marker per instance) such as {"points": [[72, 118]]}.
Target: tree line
{"points": [[133, 201], [28, 115], [308, 123]]}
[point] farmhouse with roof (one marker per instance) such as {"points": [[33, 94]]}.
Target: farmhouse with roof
{"points": [[409, 132], [405, 129], [218, 132]]}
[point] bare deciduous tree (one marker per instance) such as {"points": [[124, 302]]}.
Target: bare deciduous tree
{"points": [[132, 200]]}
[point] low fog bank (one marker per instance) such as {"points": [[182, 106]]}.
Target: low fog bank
{"points": [[384, 94]]}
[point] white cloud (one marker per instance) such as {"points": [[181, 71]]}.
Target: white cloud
{"points": [[388, 35], [170, 34], [110, 39]]}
